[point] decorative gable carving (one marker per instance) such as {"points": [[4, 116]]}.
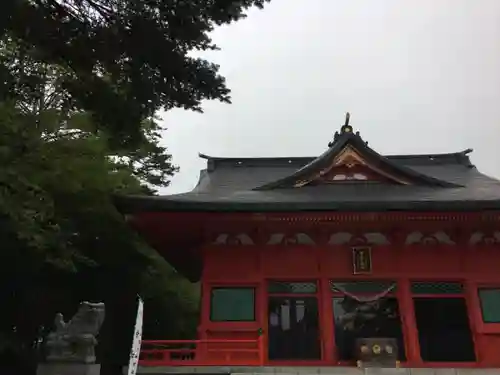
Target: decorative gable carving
{"points": [[350, 177], [350, 166], [437, 238]]}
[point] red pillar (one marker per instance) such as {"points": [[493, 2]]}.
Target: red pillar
{"points": [[327, 325], [407, 313], [262, 309], [474, 313]]}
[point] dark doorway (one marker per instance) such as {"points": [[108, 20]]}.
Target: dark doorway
{"points": [[357, 319], [443, 330], [293, 328]]}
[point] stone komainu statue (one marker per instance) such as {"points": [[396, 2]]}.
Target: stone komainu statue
{"points": [[75, 340]]}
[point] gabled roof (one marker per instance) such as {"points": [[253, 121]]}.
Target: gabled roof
{"points": [[347, 151], [429, 182]]}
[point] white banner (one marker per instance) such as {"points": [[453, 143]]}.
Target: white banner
{"points": [[136, 341]]}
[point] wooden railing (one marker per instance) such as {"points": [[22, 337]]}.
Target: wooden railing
{"points": [[201, 352]]}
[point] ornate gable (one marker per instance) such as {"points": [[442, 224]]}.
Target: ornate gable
{"points": [[349, 159], [350, 166]]}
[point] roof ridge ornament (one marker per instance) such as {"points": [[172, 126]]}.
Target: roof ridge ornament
{"points": [[346, 128]]}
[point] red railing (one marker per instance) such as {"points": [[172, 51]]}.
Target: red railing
{"points": [[201, 352]]}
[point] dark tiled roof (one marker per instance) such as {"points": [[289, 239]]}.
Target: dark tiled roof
{"points": [[448, 182], [349, 140]]}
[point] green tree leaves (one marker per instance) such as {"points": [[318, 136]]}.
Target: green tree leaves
{"points": [[125, 59], [80, 84], [62, 239]]}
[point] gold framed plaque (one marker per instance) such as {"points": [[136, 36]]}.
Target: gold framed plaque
{"points": [[362, 260]]}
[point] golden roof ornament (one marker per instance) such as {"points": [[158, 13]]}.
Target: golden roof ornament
{"points": [[346, 128]]}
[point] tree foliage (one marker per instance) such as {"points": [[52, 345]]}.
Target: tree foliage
{"points": [[63, 240], [37, 90], [80, 83], [125, 59]]}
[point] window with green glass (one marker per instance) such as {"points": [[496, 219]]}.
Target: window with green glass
{"points": [[489, 298], [232, 304], [436, 287]]}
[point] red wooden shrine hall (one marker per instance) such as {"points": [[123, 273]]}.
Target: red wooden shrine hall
{"points": [[300, 257]]}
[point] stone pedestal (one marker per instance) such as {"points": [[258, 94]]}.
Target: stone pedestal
{"points": [[70, 347], [68, 369]]}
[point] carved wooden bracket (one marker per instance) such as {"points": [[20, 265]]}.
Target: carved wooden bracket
{"points": [[345, 238], [481, 238], [290, 239], [233, 239], [436, 238]]}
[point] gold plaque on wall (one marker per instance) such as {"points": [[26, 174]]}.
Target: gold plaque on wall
{"points": [[362, 260]]}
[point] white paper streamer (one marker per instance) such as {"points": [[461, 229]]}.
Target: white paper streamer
{"points": [[136, 341]]}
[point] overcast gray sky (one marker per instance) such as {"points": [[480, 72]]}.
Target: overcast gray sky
{"points": [[418, 76]]}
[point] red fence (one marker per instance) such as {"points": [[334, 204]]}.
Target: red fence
{"points": [[201, 352]]}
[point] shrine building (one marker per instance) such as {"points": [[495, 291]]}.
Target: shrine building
{"points": [[301, 257]]}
